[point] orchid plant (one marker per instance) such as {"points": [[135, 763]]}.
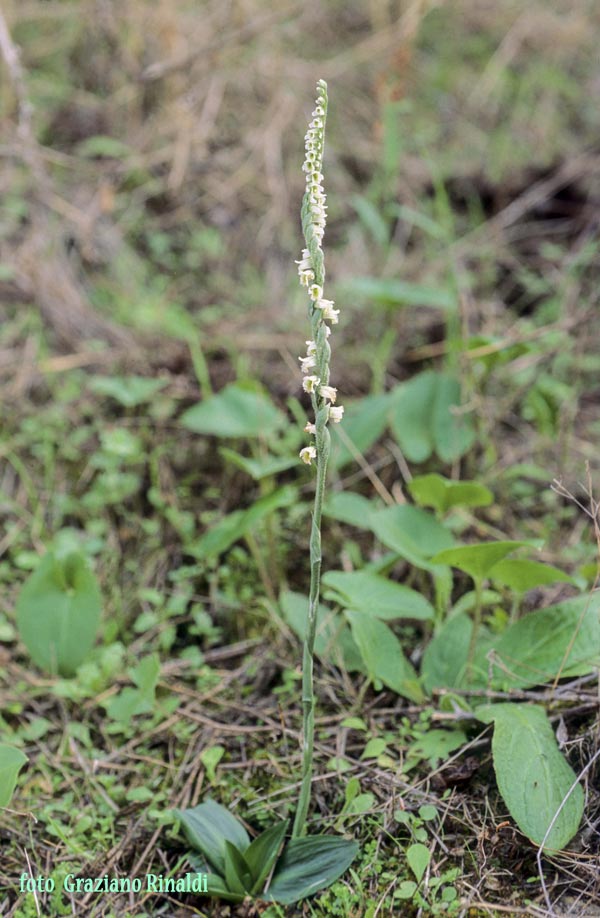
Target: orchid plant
{"points": [[267, 868]]}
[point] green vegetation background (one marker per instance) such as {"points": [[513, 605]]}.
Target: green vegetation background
{"points": [[149, 223]]}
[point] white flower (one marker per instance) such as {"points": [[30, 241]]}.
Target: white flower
{"points": [[306, 278], [330, 314], [307, 363], [328, 392], [323, 303], [310, 383], [336, 414], [310, 428], [311, 348], [315, 292], [308, 454], [305, 271]]}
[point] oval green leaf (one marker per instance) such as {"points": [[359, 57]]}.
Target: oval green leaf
{"points": [[445, 657], [426, 418], [333, 639], [235, 525], [377, 596], [442, 494], [238, 876], [235, 412], [308, 865], [521, 574], [383, 655], [533, 776], [563, 639], [418, 857], [350, 508], [476, 560], [58, 613], [128, 391], [208, 826], [262, 853], [412, 533], [364, 422], [11, 763]]}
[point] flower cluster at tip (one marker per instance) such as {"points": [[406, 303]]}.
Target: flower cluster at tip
{"points": [[311, 270]]}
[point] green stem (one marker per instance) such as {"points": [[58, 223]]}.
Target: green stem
{"points": [[308, 693], [476, 625]]}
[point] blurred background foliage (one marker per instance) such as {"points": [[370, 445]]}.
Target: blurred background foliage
{"points": [[171, 139], [150, 182]]}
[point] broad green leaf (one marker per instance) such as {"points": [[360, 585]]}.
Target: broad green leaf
{"points": [[418, 857], [476, 560], [453, 431], [411, 416], [146, 673], [533, 776], [428, 812], [354, 723], [383, 656], [434, 747], [562, 639], [411, 532], [262, 854], [405, 890], [210, 758], [236, 411], [356, 803], [208, 826], [308, 865], [362, 803], [58, 613], [140, 700], [217, 889], [352, 790], [377, 596], [333, 634], [238, 875], [215, 885], [374, 748], [442, 494], [364, 422], [128, 391], [235, 525], [11, 763], [393, 292], [445, 656], [350, 508], [521, 575], [426, 417], [264, 467]]}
